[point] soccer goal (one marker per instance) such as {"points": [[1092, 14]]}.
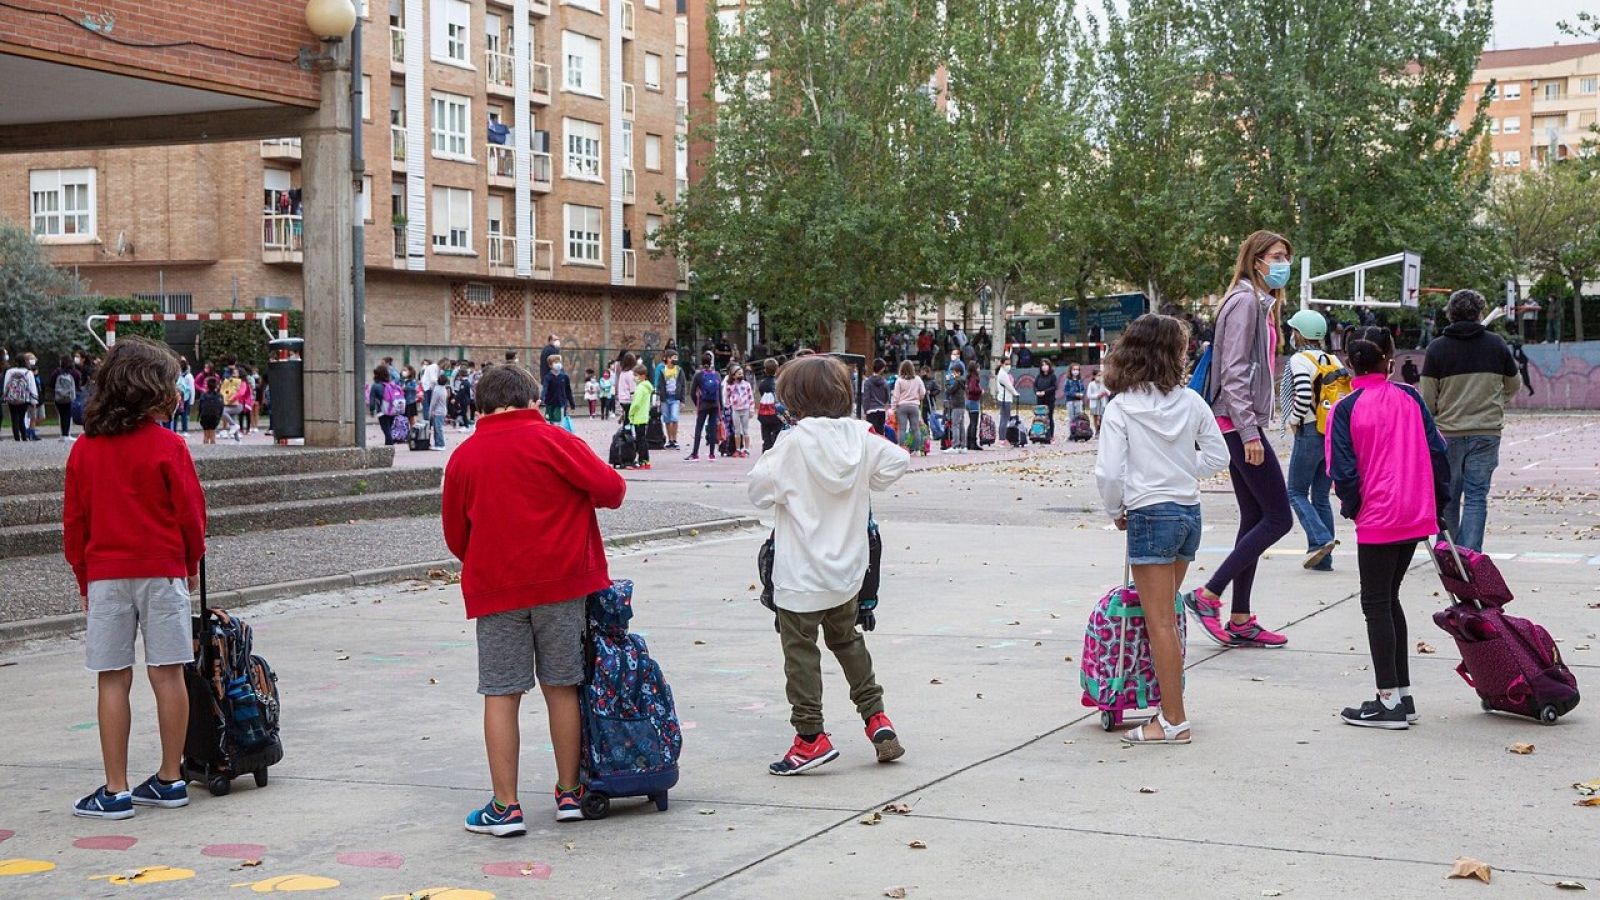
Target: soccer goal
{"points": [[111, 321], [1410, 282]]}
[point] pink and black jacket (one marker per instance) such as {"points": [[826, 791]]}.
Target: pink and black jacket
{"points": [[1387, 460]]}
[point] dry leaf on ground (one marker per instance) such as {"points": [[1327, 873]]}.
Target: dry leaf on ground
{"points": [[342, 657], [917, 845], [897, 893], [1587, 801], [1467, 867], [708, 812], [934, 681], [1425, 647], [1587, 787], [1147, 790], [1520, 749], [898, 809], [1571, 886], [249, 863], [873, 819]]}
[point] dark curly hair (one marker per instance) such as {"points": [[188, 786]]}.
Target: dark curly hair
{"points": [[1370, 349], [1150, 353], [137, 380]]}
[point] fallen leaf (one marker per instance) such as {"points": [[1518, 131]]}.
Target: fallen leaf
{"points": [[917, 845], [707, 812], [569, 846], [980, 696], [1587, 801], [1055, 616], [1588, 787], [1571, 886], [249, 863], [1425, 647], [433, 681], [1467, 867], [1272, 892], [898, 893], [899, 809], [342, 657], [699, 643], [873, 819], [1257, 678], [753, 586], [934, 681], [1147, 790], [1520, 749]]}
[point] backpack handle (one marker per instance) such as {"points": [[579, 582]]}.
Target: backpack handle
{"points": [[1444, 534]]}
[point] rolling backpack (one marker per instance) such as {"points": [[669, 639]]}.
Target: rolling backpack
{"points": [[1016, 435], [1039, 429], [1117, 672], [1081, 429], [233, 703], [624, 450], [986, 430], [632, 739]]}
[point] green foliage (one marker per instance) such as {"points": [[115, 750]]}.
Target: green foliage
{"points": [[245, 342], [40, 310], [1550, 222], [124, 306]]}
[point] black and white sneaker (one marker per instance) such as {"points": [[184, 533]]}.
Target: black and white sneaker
{"points": [[1410, 706], [1373, 714]]}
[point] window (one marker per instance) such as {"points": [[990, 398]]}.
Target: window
{"points": [[590, 5], [366, 98], [1511, 159], [653, 4], [652, 152], [1494, 160], [627, 144], [583, 234], [491, 33], [652, 71], [1511, 91], [497, 216], [1588, 85], [1494, 126], [452, 220], [364, 201], [652, 224], [1511, 125], [451, 21], [451, 112], [728, 21], [680, 158], [580, 63], [1552, 91], [583, 149], [1586, 118], [63, 202]]}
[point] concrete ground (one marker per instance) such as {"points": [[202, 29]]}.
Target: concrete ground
{"points": [[990, 572]]}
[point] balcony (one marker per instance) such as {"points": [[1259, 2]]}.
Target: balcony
{"points": [[502, 255], [280, 238], [683, 115], [628, 185], [397, 147], [502, 166], [540, 171], [539, 7], [539, 83], [630, 267], [544, 259], [399, 241], [627, 100], [281, 148], [498, 69], [397, 48], [627, 20]]}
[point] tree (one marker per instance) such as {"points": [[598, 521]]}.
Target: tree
{"points": [[816, 205], [1550, 220], [40, 309]]}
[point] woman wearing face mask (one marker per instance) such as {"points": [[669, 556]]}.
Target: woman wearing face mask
{"points": [[1240, 392], [1044, 388]]}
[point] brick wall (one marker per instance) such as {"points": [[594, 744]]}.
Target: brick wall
{"points": [[273, 29]]}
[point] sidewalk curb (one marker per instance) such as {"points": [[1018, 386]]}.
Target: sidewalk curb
{"points": [[15, 633]]}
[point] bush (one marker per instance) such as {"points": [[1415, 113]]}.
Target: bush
{"points": [[124, 306], [222, 342]]}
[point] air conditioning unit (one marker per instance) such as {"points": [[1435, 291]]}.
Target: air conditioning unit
{"points": [[275, 303]]}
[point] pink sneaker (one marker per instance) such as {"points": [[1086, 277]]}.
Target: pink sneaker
{"points": [[1208, 613], [1251, 634]]}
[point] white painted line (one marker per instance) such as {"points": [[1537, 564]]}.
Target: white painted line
{"points": [[1532, 465]]}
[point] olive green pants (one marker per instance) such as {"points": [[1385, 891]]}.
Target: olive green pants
{"points": [[802, 663]]}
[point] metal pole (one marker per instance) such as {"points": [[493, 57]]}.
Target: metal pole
{"points": [[358, 254]]}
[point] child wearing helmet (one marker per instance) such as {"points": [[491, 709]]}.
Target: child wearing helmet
{"points": [[1312, 372]]}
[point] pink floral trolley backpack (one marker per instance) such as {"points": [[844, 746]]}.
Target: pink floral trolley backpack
{"points": [[1118, 674]]}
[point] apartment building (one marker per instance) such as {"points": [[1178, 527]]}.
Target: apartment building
{"points": [[1543, 102], [518, 158]]}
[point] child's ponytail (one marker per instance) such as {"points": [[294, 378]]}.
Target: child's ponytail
{"points": [[1370, 350]]}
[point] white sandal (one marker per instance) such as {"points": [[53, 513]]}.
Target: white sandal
{"points": [[1169, 733]]}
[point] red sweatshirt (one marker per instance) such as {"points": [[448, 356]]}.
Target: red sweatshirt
{"points": [[519, 502], [134, 508]]}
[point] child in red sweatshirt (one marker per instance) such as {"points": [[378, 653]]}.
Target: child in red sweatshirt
{"points": [[521, 482], [134, 530]]}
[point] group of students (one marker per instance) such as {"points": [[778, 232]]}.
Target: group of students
{"points": [[22, 388]]}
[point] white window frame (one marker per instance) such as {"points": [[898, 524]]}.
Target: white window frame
{"points": [[54, 189], [680, 156], [580, 58], [1552, 90], [652, 226], [366, 98], [448, 143], [1494, 125], [451, 221], [364, 202], [587, 237], [496, 218], [582, 150], [1588, 84], [652, 60], [1494, 159], [652, 141], [1511, 159], [627, 143], [1511, 125], [450, 33], [653, 4], [1512, 91], [590, 5]]}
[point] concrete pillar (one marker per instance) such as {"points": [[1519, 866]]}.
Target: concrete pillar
{"points": [[332, 379]]}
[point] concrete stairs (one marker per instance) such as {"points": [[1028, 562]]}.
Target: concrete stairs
{"points": [[246, 491]]}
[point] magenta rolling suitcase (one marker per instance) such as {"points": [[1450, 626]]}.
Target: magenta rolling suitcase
{"points": [[1512, 663]]}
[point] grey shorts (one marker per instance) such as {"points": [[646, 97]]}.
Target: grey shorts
{"points": [[515, 645], [120, 608]]}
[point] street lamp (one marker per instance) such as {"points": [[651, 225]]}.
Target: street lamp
{"points": [[331, 21]]}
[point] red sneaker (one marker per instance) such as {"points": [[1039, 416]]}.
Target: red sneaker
{"points": [[880, 731], [644, 467], [805, 755]]}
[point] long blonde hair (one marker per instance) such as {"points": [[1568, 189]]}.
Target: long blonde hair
{"points": [[1251, 251]]}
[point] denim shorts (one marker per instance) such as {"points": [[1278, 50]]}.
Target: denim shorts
{"points": [[669, 411], [1163, 533]]}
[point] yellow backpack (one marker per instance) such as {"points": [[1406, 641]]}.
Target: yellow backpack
{"points": [[1330, 385]]}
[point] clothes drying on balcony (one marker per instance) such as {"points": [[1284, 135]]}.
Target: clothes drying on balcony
{"points": [[499, 132]]}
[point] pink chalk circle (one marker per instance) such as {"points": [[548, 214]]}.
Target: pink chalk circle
{"points": [[690, 726], [6, 833], [105, 842], [371, 859], [518, 869], [235, 851]]}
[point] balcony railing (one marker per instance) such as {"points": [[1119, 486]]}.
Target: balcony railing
{"points": [[399, 241], [281, 239], [540, 170], [627, 19], [628, 185], [397, 143], [630, 266], [544, 259], [539, 81], [280, 148], [502, 164], [498, 69], [397, 45], [627, 100], [502, 252]]}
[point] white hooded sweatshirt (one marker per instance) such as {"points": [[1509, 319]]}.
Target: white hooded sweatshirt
{"points": [[817, 479], [1155, 448]]}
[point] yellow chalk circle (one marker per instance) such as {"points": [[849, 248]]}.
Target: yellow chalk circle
{"points": [[147, 875], [285, 883], [24, 866], [442, 893]]}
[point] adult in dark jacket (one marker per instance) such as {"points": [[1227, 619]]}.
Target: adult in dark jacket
{"points": [[1468, 377], [557, 391], [1044, 389], [706, 392], [875, 396], [551, 348]]}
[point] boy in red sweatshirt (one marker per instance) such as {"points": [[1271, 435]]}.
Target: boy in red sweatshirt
{"points": [[134, 522], [519, 478]]}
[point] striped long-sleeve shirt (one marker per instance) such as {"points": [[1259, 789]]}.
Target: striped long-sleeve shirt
{"points": [[1296, 399]]}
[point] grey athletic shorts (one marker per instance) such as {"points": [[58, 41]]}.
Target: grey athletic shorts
{"points": [[122, 607], [515, 645]]}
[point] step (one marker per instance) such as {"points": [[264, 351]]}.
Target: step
{"points": [[42, 509], [220, 461], [30, 540]]}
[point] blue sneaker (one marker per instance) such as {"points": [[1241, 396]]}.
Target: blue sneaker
{"points": [[167, 795], [500, 821], [104, 805]]}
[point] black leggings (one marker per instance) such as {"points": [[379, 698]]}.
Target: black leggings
{"points": [[771, 427], [705, 422], [18, 410], [387, 424], [974, 418], [64, 412], [1383, 567]]}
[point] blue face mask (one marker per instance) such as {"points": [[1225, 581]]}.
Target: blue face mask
{"points": [[1277, 274]]}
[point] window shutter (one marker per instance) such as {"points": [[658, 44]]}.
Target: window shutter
{"points": [[438, 18]]}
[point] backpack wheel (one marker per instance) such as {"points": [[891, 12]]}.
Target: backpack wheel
{"points": [[660, 801], [261, 777], [1109, 719], [1487, 706], [1548, 715], [596, 805], [219, 786]]}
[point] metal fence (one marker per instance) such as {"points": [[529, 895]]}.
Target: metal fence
{"points": [[576, 359]]}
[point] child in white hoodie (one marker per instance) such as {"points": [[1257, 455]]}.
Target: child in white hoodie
{"points": [[1149, 471], [817, 481]]}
